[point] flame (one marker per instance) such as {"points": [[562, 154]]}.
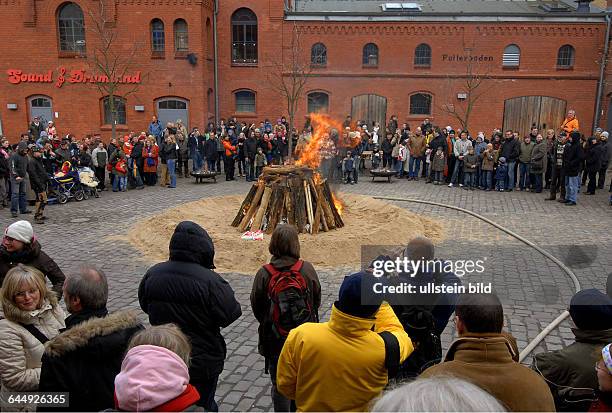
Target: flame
{"points": [[322, 127], [338, 203], [318, 179]]}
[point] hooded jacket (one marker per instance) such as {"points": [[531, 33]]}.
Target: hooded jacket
{"points": [[33, 256], [21, 352], [488, 361], [572, 156], [153, 378], [85, 358], [353, 354], [185, 291], [570, 371]]}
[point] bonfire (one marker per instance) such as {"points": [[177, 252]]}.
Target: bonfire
{"points": [[298, 194]]}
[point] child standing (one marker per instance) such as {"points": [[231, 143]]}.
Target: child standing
{"points": [[260, 161], [488, 163], [501, 174], [376, 158], [120, 171], [438, 165], [470, 165], [347, 168]]}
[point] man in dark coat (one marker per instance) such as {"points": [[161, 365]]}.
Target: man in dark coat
{"points": [[250, 150], [36, 127], [85, 358], [570, 372], [438, 141], [557, 180], [38, 182], [185, 290], [605, 159], [19, 169], [572, 159], [593, 158], [510, 150]]}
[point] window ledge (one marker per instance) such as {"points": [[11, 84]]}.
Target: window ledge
{"points": [[417, 66], [71, 55], [108, 127], [180, 55], [318, 66], [415, 116], [565, 67], [370, 66], [510, 67], [158, 55], [245, 64]]}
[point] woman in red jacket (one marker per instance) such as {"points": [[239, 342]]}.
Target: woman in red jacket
{"points": [[150, 153]]}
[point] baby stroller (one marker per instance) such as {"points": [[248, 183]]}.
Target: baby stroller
{"points": [[89, 182], [66, 184]]}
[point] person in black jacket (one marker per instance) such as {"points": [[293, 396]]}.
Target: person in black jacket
{"points": [[4, 172], [210, 152], [38, 182], [19, 169], [250, 148], [186, 291], [85, 358], [170, 155], [438, 141], [605, 159], [510, 150], [137, 162], [572, 158], [593, 163]]}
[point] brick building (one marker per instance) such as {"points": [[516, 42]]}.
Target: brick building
{"points": [[530, 59]]}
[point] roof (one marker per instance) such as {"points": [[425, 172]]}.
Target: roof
{"points": [[392, 9]]}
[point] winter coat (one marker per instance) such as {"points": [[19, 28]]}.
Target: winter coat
{"points": [[269, 345], [85, 358], [510, 150], [210, 150], [488, 160], [461, 147], [572, 158], [183, 150], [605, 154], [33, 256], [85, 160], [62, 155], [438, 162], [168, 151], [489, 361], [111, 150], [152, 153], [155, 129], [479, 148], [470, 163], [593, 157], [501, 172], [185, 290], [353, 354], [250, 148], [570, 125], [4, 166], [230, 150], [193, 143], [21, 352], [538, 158], [99, 157], [260, 160], [19, 165], [570, 372], [525, 152], [35, 130], [118, 155], [417, 146], [38, 175], [386, 146]]}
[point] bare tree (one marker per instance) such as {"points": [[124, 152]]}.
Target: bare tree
{"points": [[290, 77], [110, 60], [473, 85]]}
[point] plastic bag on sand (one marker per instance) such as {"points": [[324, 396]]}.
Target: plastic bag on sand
{"points": [[253, 236]]}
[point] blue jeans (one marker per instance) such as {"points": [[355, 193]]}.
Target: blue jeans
{"points": [[524, 176], [572, 186], [537, 178], [501, 184], [456, 173], [399, 167], [197, 161], [211, 165], [119, 183], [487, 179], [414, 172], [425, 169], [468, 179], [172, 172], [18, 196], [511, 166]]}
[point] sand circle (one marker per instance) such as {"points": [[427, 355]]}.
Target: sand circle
{"points": [[367, 222]]}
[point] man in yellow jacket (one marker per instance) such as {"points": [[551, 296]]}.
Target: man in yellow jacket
{"points": [[570, 124], [340, 365]]}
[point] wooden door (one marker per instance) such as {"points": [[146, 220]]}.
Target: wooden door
{"points": [[369, 108], [524, 112]]}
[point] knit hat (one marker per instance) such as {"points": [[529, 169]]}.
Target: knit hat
{"points": [[604, 134], [607, 357], [591, 310], [21, 231], [357, 298], [502, 160]]}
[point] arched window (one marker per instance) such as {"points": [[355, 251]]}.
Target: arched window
{"points": [[318, 102], [565, 57], [422, 55], [119, 109], [420, 104], [318, 54], [370, 55], [41, 107], [181, 36], [512, 56], [245, 101], [244, 36], [71, 28], [158, 37]]}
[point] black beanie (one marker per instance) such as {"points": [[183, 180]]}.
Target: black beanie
{"points": [[356, 296], [591, 310]]}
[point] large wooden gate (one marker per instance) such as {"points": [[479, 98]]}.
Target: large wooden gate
{"points": [[524, 112], [370, 108]]}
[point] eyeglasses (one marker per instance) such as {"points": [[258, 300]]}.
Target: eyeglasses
{"points": [[22, 294]]}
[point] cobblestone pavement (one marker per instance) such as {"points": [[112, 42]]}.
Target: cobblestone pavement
{"points": [[534, 290]]}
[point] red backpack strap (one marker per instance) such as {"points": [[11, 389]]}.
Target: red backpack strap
{"points": [[297, 267], [271, 270]]}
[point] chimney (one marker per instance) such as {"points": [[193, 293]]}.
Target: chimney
{"points": [[584, 6]]}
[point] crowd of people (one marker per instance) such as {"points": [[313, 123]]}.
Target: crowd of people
{"points": [[374, 354]]}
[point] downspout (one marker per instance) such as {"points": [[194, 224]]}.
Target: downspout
{"points": [[602, 70], [216, 62]]}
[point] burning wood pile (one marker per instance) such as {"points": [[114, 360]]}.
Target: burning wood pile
{"points": [[297, 195]]}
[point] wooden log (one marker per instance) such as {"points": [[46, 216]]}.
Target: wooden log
{"points": [[254, 204], [299, 207], [327, 208], [246, 204], [324, 226], [276, 209], [317, 219], [262, 209], [289, 207], [329, 196], [309, 205]]}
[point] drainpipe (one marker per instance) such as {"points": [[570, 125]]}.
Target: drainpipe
{"points": [[216, 62], [602, 70]]}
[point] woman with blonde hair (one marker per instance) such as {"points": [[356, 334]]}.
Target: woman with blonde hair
{"points": [[150, 153], [33, 317], [155, 372]]}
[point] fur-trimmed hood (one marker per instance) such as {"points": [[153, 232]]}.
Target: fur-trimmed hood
{"points": [[14, 314], [101, 335]]}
